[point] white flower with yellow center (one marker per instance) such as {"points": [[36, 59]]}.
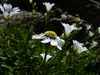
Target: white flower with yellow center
{"points": [[8, 11], [48, 6], [50, 36], [68, 29], [79, 47], [47, 56]]}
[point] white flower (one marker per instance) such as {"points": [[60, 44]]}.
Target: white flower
{"points": [[69, 29], [30, 1], [50, 36], [91, 33], [76, 44], [98, 29], [93, 44], [47, 56], [88, 27], [8, 11], [48, 6], [79, 47]]}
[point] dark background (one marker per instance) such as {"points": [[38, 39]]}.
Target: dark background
{"points": [[88, 10]]}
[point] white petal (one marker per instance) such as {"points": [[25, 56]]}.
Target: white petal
{"points": [[68, 29], [48, 57], [63, 24], [40, 36], [46, 40], [7, 7], [76, 43], [53, 42], [13, 13], [1, 8], [15, 8], [30, 1], [48, 5], [43, 55], [88, 27], [98, 29], [93, 44], [91, 33], [59, 47], [60, 41], [5, 14], [81, 49]]}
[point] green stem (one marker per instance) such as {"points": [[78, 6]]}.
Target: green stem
{"points": [[5, 26], [1, 31], [44, 63], [95, 38], [55, 57], [46, 21]]}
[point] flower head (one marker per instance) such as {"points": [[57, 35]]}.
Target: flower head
{"points": [[79, 47], [93, 44], [98, 29], [31, 1], [68, 28], [91, 33], [8, 11], [48, 6], [47, 56], [50, 36], [88, 27]]}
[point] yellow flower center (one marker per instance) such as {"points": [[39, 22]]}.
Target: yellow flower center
{"points": [[51, 34]]}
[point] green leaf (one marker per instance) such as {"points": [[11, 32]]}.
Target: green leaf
{"points": [[3, 58], [7, 67]]}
